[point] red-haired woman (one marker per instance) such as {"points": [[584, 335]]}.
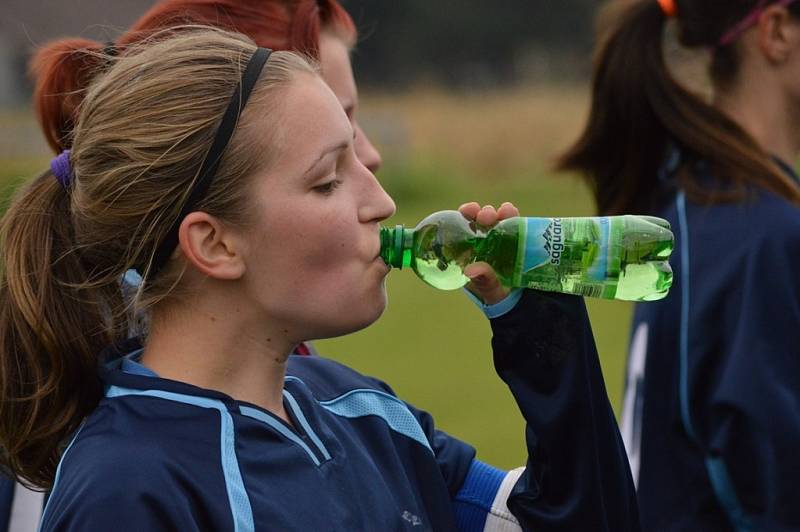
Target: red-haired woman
{"points": [[712, 408], [321, 29]]}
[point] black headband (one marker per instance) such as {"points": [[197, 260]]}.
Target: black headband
{"points": [[111, 49], [214, 155]]}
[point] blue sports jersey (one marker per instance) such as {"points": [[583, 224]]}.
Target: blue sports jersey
{"points": [[712, 409], [164, 455]]}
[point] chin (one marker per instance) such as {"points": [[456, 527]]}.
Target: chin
{"points": [[353, 322], [368, 318]]}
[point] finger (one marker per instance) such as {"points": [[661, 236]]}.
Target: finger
{"points": [[470, 210], [507, 210], [484, 283], [487, 216]]}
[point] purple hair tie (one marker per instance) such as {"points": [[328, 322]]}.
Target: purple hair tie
{"points": [[62, 169]]}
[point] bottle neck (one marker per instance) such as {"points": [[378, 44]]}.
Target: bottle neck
{"points": [[396, 246]]}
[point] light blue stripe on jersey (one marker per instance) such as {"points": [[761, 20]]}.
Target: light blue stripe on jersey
{"points": [[279, 427], [131, 365], [723, 487], [58, 474], [237, 496], [684, 328], [473, 502], [298, 413], [366, 402]]}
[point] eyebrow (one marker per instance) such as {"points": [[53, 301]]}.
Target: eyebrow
{"points": [[330, 149]]}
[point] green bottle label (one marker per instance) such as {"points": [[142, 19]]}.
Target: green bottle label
{"points": [[540, 242], [598, 270], [579, 251]]}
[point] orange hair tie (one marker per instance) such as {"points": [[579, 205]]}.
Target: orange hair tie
{"points": [[669, 7]]}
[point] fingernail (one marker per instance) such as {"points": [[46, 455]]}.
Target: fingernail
{"points": [[478, 278]]}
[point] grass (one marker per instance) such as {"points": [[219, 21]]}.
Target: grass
{"points": [[441, 150]]}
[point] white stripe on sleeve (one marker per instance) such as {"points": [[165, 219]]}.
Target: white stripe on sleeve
{"points": [[500, 518]]}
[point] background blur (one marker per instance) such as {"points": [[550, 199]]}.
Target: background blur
{"points": [[467, 100]]}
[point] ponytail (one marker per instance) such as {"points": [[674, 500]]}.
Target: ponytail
{"points": [[52, 325], [61, 71], [638, 111]]}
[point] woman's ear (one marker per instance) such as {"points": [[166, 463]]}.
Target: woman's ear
{"points": [[210, 247], [777, 33]]}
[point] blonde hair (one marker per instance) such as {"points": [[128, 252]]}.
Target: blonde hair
{"points": [[142, 133]]}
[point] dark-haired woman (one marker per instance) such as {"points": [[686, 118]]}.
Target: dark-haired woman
{"points": [[712, 406]]}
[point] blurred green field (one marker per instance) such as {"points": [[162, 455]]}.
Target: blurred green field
{"points": [[441, 150], [433, 346]]}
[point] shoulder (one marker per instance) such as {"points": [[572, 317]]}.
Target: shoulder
{"points": [[121, 470], [775, 213], [327, 378], [120, 447], [740, 228], [772, 229], [101, 479]]}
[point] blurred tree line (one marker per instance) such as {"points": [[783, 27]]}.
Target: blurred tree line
{"points": [[461, 43], [471, 43]]}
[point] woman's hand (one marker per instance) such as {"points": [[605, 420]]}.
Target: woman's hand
{"points": [[483, 281]]}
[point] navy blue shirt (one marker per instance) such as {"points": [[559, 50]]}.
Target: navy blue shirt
{"points": [[712, 409], [164, 455]]}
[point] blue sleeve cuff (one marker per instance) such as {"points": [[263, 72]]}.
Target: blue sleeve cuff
{"points": [[473, 502], [498, 309]]}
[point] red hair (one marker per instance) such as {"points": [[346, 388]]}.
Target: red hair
{"points": [[63, 69]]}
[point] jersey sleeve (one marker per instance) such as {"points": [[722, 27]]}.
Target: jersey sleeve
{"points": [[577, 475], [453, 456], [753, 423]]}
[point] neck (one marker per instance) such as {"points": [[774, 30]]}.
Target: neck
{"points": [[765, 113], [220, 347]]}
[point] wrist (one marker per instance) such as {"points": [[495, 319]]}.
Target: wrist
{"points": [[500, 308]]}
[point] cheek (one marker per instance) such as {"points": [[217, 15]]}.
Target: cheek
{"points": [[310, 267], [323, 245], [302, 251]]}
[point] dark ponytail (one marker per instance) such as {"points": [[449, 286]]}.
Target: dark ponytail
{"points": [[638, 110], [52, 325]]}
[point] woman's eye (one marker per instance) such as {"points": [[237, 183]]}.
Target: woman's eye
{"points": [[329, 187]]}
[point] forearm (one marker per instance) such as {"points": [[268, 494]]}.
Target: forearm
{"points": [[577, 475]]}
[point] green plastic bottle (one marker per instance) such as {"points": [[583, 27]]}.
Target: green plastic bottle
{"points": [[615, 257]]}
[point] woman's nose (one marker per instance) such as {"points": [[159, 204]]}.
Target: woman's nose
{"points": [[378, 205]]}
